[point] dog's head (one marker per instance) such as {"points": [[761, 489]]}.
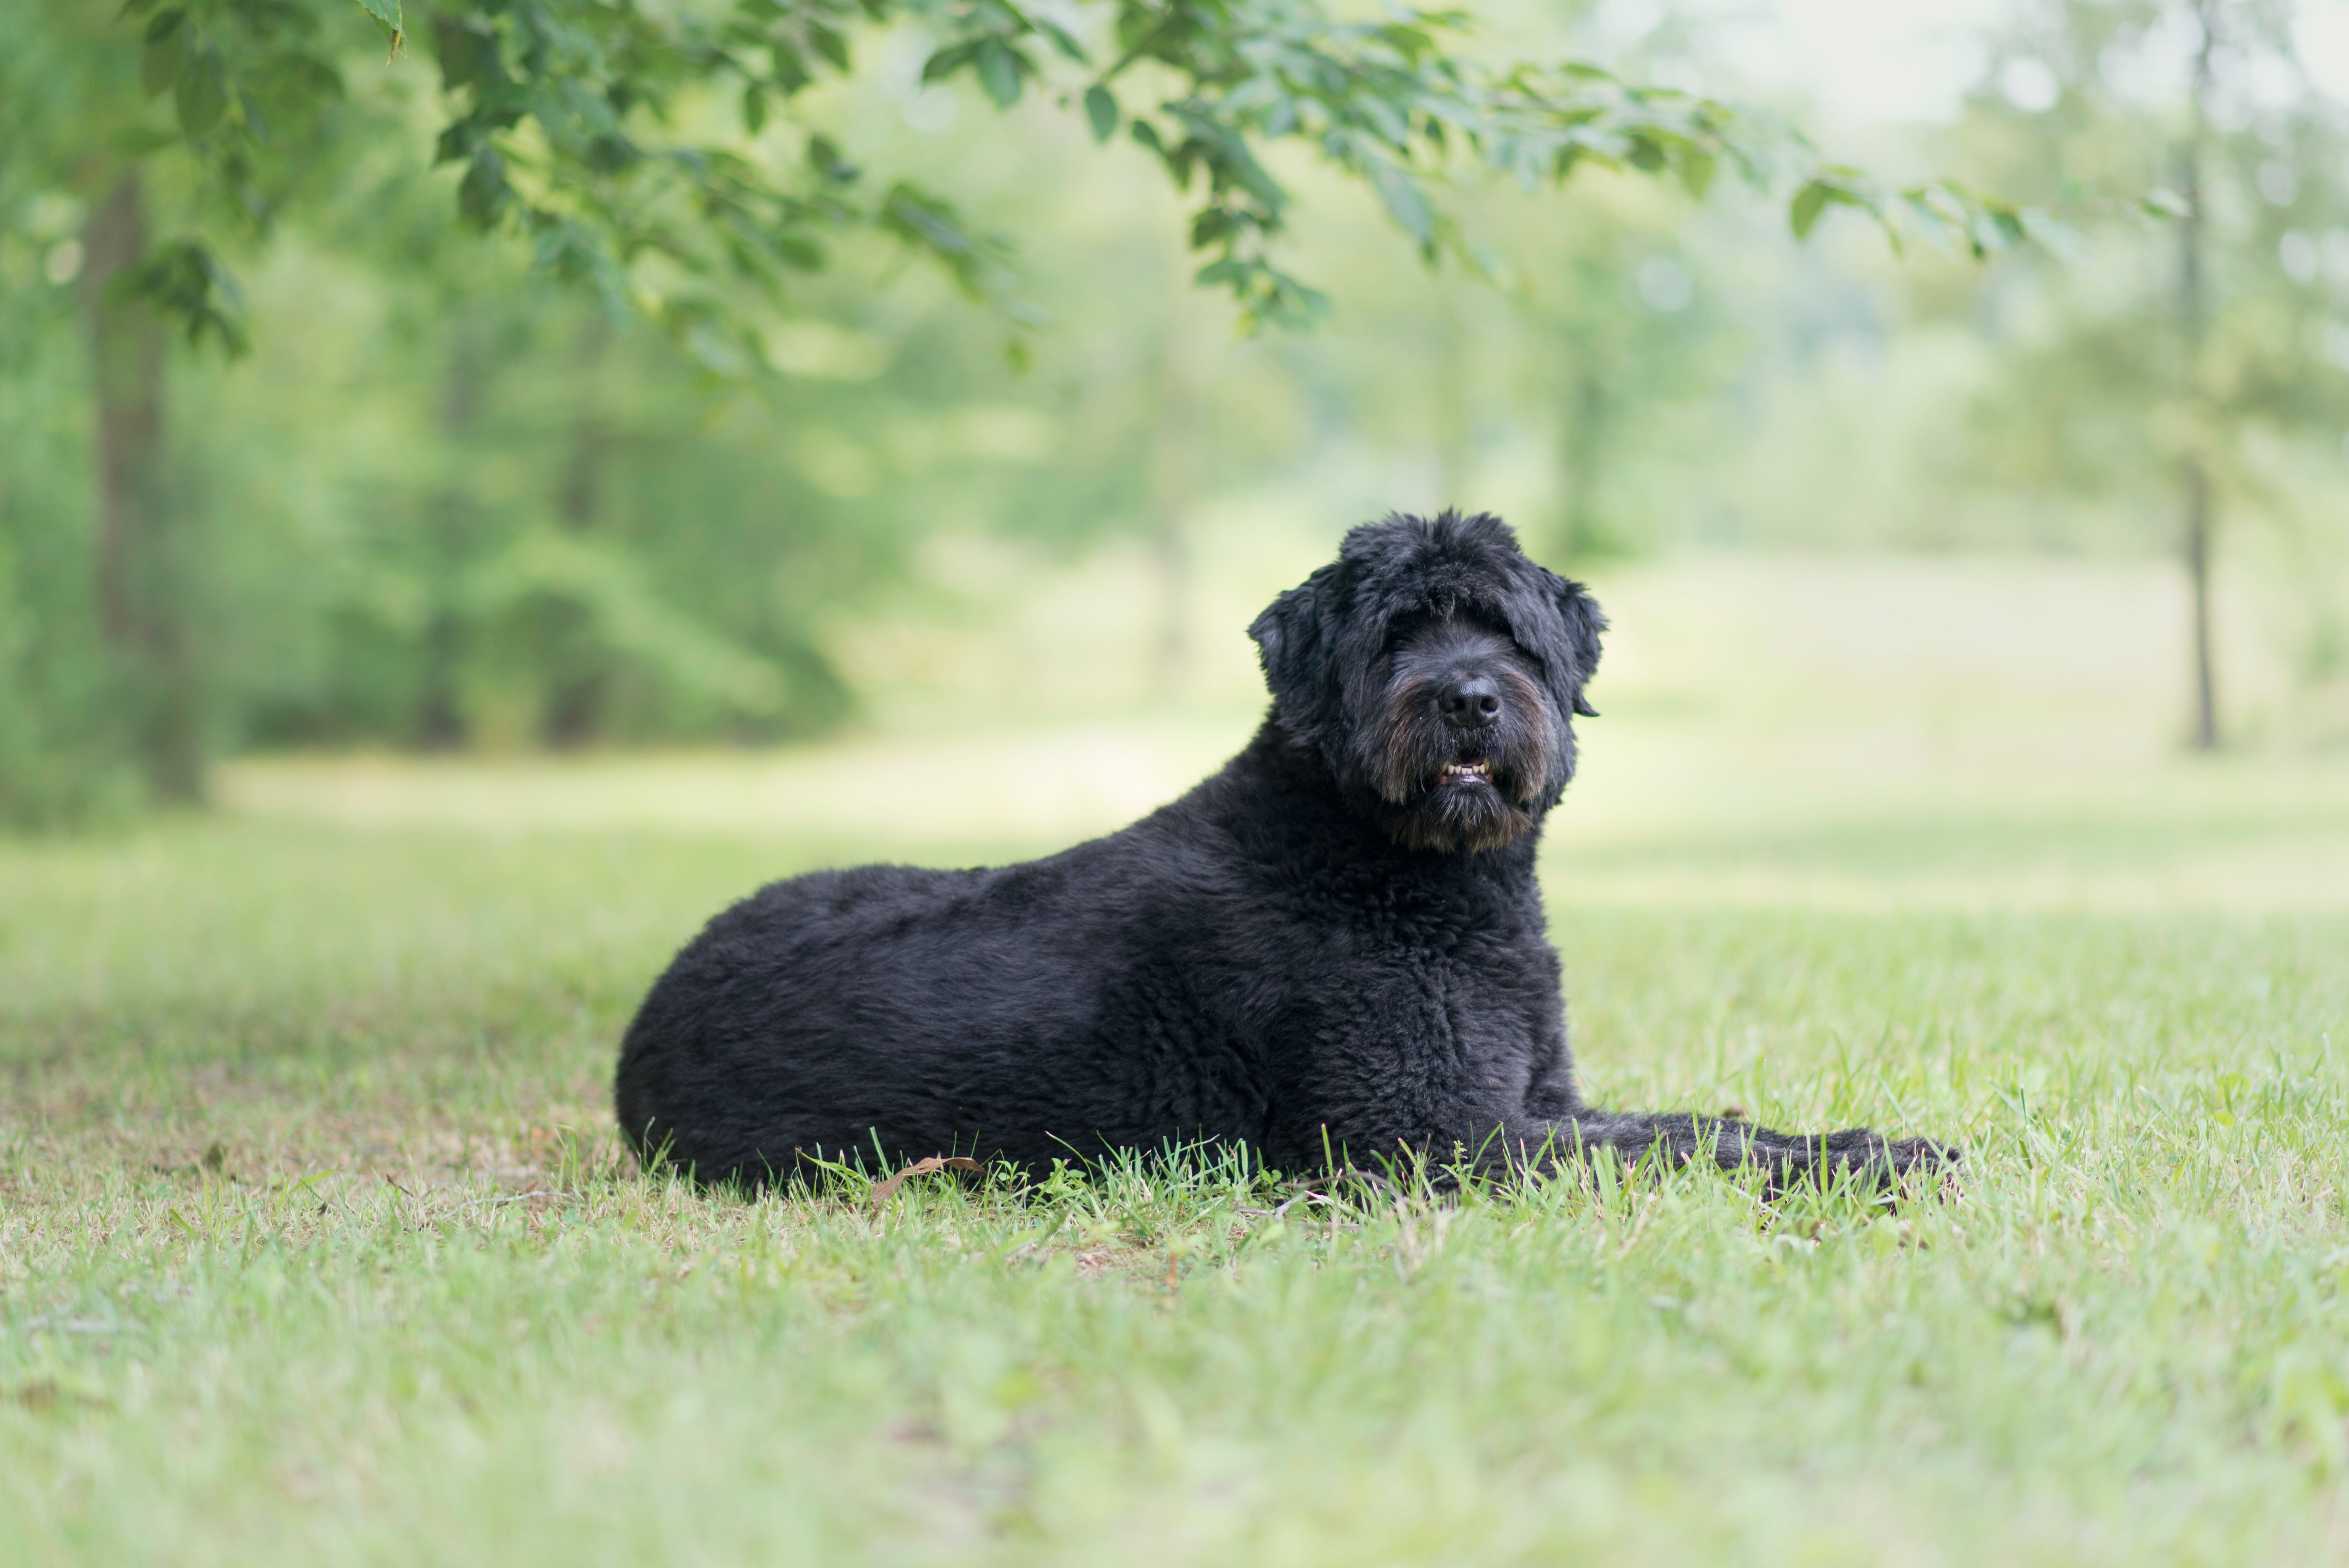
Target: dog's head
{"points": [[1437, 671]]}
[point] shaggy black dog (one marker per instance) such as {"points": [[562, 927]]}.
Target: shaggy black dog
{"points": [[1334, 948]]}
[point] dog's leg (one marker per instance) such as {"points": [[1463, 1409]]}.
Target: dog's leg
{"points": [[1786, 1160]]}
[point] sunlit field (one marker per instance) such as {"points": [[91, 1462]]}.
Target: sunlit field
{"points": [[316, 1243]]}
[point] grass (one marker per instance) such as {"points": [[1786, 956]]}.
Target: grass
{"points": [[316, 1245]]}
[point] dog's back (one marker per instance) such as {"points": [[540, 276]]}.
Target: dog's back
{"points": [[888, 1009]]}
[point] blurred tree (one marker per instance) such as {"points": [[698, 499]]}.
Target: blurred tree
{"points": [[2209, 96], [563, 116], [663, 159], [74, 123]]}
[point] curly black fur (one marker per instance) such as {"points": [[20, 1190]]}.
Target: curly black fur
{"points": [[1333, 946]]}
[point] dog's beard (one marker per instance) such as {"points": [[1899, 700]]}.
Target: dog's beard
{"points": [[1452, 791]]}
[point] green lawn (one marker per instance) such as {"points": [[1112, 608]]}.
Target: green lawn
{"points": [[317, 1247]]}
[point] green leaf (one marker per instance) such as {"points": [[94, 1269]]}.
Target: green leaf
{"points": [[1697, 167], [2058, 239], [293, 83], [468, 47], [1060, 38], [202, 95], [1809, 202], [999, 73], [386, 13], [167, 53], [1493, 266], [754, 107], [945, 62], [139, 141], [484, 196], [791, 72], [830, 44], [1383, 122], [1995, 229], [182, 282], [2162, 203], [1101, 108], [823, 157], [387, 17], [799, 254], [913, 216], [1406, 203]]}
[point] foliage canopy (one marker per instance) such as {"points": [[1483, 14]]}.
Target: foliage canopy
{"points": [[594, 128]]}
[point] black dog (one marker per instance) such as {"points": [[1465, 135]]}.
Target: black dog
{"points": [[1334, 948]]}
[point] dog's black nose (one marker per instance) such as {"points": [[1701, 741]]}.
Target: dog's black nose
{"points": [[1470, 703]]}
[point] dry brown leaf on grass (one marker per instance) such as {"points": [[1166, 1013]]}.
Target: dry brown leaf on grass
{"points": [[883, 1190]]}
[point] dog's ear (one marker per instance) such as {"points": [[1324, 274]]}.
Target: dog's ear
{"points": [[1584, 622], [1289, 643]]}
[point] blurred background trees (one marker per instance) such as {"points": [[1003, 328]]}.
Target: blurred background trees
{"points": [[2195, 377], [577, 474]]}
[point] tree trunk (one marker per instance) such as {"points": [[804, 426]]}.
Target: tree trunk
{"points": [[142, 592], [2193, 315], [2198, 568]]}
